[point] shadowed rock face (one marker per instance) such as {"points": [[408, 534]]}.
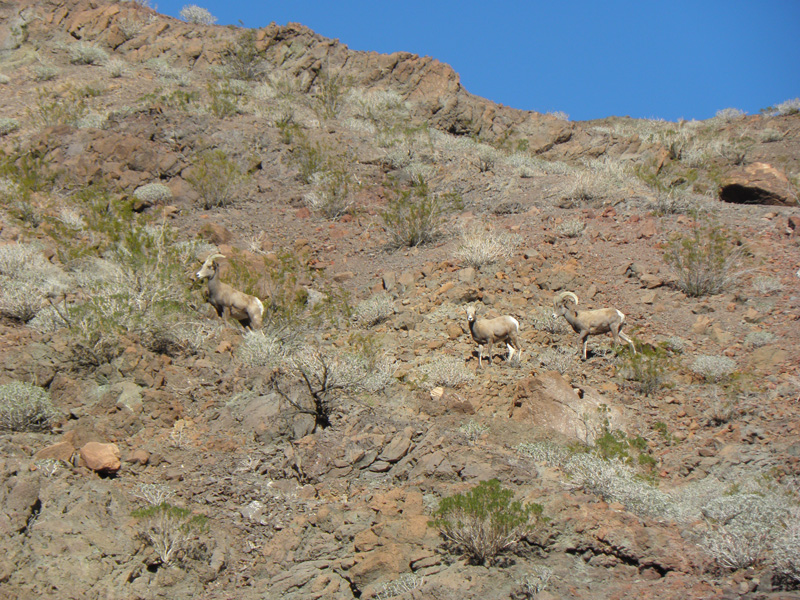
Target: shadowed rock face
{"points": [[759, 183]]}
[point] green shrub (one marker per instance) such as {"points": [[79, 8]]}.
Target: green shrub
{"points": [[216, 178], [704, 262], [331, 196], [242, 59], [332, 88], [646, 368], [25, 407], [415, 216], [310, 158], [485, 521], [52, 109], [225, 99]]}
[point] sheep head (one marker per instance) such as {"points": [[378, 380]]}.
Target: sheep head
{"points": [[209, 267], [560, 302], [472, 312]]}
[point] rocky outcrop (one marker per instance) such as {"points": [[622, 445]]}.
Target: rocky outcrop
{"points": [[758, 183]]}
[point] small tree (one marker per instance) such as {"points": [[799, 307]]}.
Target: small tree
{"points": [[485, 521]]}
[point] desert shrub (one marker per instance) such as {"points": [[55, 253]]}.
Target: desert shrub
{"points": [[756, 339], [486, 157], [571, 228], [788, 107], [154, 494], [374, 310], [743, 526], [729, 114], [704, 262], [52, 109], [647, 368], [405, 584], [544, 320], [242, 58], [116, 67], [385, 109], [767, 285], [170, 530], [786, 551], [672, 202], [225, 98], [191, 13], [533, 583], [43, 72], [153, 193], [485, 521], [268, 347], [674, 344], [331, 196], [26, 279], [415, 216], [480, 245], [332, 88], [87, 54], [557, 358], [472, 431], [713, 368], [8, 125], [310, 158], [25, 407], [217, 178], [445, 371]]}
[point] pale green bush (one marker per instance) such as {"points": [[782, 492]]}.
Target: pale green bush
{"points": [[729, 114], [445, 371], [191, 13], [375, 310], [481, 245], [756, 339], [713, 368], [87, 54], [153, 193], [8, 125], [25, 407]]}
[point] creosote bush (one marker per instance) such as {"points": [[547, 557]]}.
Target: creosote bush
{"points": [[705, 262], [647, 368], [25, 407], [416, 216], [217, 179], [485, 521]]}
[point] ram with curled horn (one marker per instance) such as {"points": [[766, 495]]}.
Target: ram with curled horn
{"points": [[590, 322], [246, 309]]}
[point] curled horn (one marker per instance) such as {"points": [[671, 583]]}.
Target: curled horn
{"points": [[213, 257], [559, 299]]}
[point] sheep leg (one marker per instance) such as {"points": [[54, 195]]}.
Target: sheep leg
{"points": [[629, 340], [513, 346], [489, 352], [585, 340]]}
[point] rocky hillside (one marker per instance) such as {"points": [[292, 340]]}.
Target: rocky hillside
{"points": [[151, 449]]}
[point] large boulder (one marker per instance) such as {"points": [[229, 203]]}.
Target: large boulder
{"points": [[758, 183], [550, 402]]}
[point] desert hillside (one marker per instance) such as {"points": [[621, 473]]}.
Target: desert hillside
{"points": [[338, 433]]}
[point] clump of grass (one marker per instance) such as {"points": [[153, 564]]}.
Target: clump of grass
{"points": [[8, 125], [83, 53], [767, 285], [481, 245], [557, 358], [571, 228]]}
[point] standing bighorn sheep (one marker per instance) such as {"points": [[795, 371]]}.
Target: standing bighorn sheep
{"points": [[590, 322], [489, 331], [246, 309]]}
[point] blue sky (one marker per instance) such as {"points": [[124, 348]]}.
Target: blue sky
{"points": [[589, 59]]}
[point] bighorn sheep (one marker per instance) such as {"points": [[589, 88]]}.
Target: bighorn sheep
{"points": [[590, 322], [489, 331], [246, 309]]}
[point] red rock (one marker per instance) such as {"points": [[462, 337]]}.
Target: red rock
{"points": [[102, 458], [758, 183], [60, 451]]}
